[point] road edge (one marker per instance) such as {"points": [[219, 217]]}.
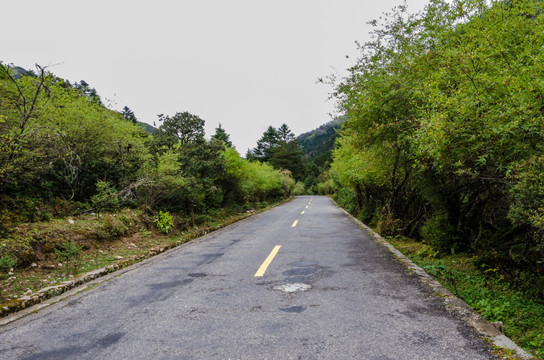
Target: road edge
{"points": [[48, 296], [452, 302]]}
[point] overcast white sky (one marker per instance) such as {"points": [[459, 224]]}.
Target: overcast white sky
{"points": [[246, 64]]}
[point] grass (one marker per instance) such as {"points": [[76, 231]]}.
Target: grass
{"points": [[486, 292], [62, 250]]}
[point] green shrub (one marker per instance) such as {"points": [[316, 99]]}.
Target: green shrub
{"points": [[203, 219], [67, 250], [388, 225], [106, 197], [110, 228], [7, 262], [299, 189], [164, 221], [439, 233]]}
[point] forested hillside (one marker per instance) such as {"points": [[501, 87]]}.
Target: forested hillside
{"points": [[316, 147], [63, 153], [307, 156], [319, 143]]}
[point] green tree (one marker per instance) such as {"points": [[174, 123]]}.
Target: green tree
{"points": [[286, 154], [265, 145], [183, 127], [221, 134], [87, 91], [444, 124], [129, 115], [279, 147]]}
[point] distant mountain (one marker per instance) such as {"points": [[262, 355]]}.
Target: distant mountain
{"points": [[148, 128], [317, 145], [18, 72]]}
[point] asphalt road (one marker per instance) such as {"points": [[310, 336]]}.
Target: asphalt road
{"points": [[328, 292]]}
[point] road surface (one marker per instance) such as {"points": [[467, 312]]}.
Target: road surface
{"points": [[301, 281]]}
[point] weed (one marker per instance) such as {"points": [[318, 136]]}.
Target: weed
{"points": [[485, 292], [145, 233], [164, 221], [67, 250], [7, 262], [111, 228]]}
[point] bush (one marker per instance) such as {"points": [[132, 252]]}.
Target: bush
{"points": [[67, 250], [299, 189], [111, 227], [164, 221], [105, 198], [439, 233], [7, 262]]}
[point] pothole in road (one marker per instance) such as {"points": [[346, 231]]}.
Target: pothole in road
{"points": [[198, 275], [289, 288], [294, 309], [303, 263]]}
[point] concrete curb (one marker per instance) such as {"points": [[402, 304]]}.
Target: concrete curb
{"points": [[452, 302]]}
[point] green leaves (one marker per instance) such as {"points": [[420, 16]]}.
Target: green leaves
{"points": [[443, 108], [164, 221]]}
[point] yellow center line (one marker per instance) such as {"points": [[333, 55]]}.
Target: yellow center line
{"points": [[267, 262], [295, 223], [302, 213], [307, 206]]}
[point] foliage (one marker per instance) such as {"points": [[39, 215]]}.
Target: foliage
{"points": [[265, 146], [183, 127], [164, 221], [129, 115], [106, 196], [64, 143], [67, 250], [221, 134], [299, 189], [487, 293], [7, 262], [279, 148], [318, 144], [316, 147], [444, 131], [253, 181], [63, 153]]}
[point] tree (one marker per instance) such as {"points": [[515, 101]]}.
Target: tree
{"points": [[221, 134], [86, 90], [286, 154], [444, 130], [21, 99], [183, 127], [279, 148], [265, 145], [129, 115], [285, 134]]}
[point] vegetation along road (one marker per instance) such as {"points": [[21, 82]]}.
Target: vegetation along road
{"points": [[299, 281]]}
